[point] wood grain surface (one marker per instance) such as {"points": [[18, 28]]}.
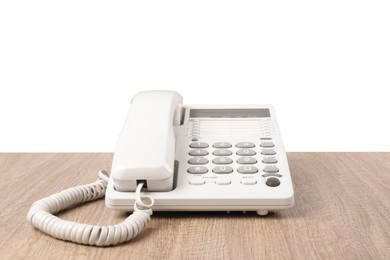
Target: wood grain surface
{"points": [[342, 211]]}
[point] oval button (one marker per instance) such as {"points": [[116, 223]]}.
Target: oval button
{"points": [[271, 169], [223, 182], [245, 145], [198, 152], [222, 160], [222, 145], [222, 169], [197, 170], [199, 145], [246, 152], [198, 160], [246, 160], [270, 160], [247, 169], [222, 152], [248, 181], [197, 182], [268, 152]]}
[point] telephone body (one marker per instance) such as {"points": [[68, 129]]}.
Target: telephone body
{"points": [[200, 157]]}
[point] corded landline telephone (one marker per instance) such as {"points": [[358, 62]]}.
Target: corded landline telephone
{"points": [[173, 157]]}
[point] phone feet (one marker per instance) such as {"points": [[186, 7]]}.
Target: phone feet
{"points": [[262, 212]]}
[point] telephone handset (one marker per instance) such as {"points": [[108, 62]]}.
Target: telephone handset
{"points": [[175, 157], [146, 146]]}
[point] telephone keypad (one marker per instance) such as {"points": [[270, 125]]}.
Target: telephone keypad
{"points": [[253, 162]]}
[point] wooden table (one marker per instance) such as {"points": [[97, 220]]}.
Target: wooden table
{"points": [[342, 211]]}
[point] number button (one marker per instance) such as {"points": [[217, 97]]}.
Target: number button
{"points": [[222, 152], [199, 145], [222, 160], [198, 153], [197, 170], [246, 160], [222, 145], [247, 169], [246, 152], [198, 160], [245, 145], [222, 169]]}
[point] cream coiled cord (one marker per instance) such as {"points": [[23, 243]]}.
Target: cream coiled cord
{"points": [[41, 216]]}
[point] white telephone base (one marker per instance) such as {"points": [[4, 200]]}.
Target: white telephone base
{"points": [[252, 176]]}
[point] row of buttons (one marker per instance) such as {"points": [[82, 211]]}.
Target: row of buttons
{"points": [[228, 169], [221, 145], [272, 182], [226, 160], [242, 152]]}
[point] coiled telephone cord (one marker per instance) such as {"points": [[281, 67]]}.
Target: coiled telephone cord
{"points": [[41, 216]]}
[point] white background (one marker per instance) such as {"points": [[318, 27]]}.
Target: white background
{"points": [[68, 69]]}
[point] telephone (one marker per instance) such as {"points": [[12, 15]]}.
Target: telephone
{"points": [[175, 157]]}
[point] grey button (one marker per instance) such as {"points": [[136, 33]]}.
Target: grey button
{"points": [[197, 182], [265, 138], [272, 174], [246, 160], [222, 169], [270, 160], [222, 145], [222, 152], [246, 152], [267, 144], [268, 152], [222, 160], [273, 182], [223, 182], [248, 181], [247, 169], [197, 169], [198, 153], [245, 145], [198, 160], [271, 169], [199, 145]]}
